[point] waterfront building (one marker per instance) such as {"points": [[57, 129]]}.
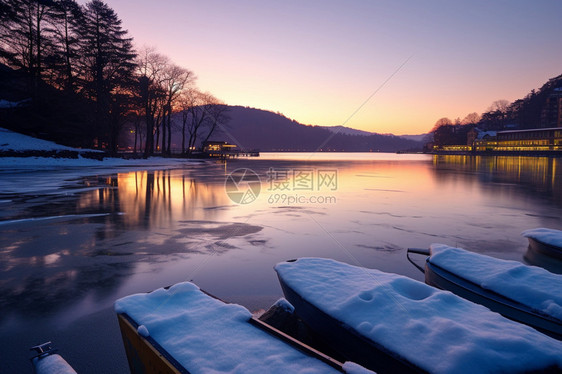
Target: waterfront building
{"points": [[529, 141], [532, 140]]}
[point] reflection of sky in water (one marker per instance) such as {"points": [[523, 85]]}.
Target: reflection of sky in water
{"points": [[137, 231]]}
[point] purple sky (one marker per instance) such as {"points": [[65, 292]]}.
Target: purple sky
{"points": [[318, 61]]}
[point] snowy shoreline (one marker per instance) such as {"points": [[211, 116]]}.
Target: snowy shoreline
{"points": [[18, 151]]}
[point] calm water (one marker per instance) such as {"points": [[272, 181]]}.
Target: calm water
{"points": [[68, 254]]}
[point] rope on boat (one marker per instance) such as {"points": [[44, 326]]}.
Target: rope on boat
{"points": [[419, 251]]}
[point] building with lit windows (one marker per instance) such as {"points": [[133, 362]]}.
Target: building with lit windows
{"points": [[533, 140], [218, 148], [543, 141]]}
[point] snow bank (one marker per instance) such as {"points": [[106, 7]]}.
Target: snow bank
{"points": [[5, 104], [40, 163], [436, 330], [547, 236], [206, 335], [529, 285], [12, 141]]}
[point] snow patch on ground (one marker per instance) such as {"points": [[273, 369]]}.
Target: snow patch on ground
{"points": [[436, 330], [529, 285], [48, 175], [12, 141], [40, 163], [5, 104], [206, 335]]}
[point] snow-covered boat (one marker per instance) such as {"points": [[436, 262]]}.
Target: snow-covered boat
{"points": [[184, 330], [527, 294], [390, 323], [545, 241]]}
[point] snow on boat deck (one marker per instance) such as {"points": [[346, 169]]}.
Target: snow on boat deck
{"points": [[548, 236], [206, 335], [529, 285], [435, 330]]}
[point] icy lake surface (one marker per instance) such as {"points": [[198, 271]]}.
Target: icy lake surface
{"points": [[73, 239]]}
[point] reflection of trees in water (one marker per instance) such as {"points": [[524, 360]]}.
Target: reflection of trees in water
{"points": [[162, 197], [56, 290], [47, 266], [540, 174]]}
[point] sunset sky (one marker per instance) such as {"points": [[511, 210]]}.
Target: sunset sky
{"points": [[318, 61]]}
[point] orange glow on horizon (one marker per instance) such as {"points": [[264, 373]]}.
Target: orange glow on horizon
{"points": [[318, 62]]}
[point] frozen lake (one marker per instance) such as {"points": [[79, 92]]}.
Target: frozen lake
{"points": [[73, 240]]}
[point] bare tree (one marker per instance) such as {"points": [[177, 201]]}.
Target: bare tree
{"points": [[499, 106], [218, 117], [471, 119], [184, 103], [150, 67], [9, 19], [174, 80], [496, 116], [196, 115], [440, 123]]}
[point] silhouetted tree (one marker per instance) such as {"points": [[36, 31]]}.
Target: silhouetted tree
{"points": [[196, 116], [8, 20], [174, 80], [447, 133], [471, 119], [496, 116], [218, 116], [24, 42], [108, 64], [150, 67], [64, 22]]}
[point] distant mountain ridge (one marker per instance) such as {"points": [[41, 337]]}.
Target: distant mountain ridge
{"points": [[252, 128], [350, 131]]}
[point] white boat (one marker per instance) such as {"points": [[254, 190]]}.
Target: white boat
{"points": [[184, 330], [393, 324], [545, 241], [527, 294]]}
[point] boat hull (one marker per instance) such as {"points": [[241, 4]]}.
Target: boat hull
{"points": [[145, 355], [546, 249], [443, 279], [345, 340]]}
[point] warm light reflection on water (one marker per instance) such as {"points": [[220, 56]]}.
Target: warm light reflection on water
{"points": [[541, 174], [158, 198], [137, 231]]}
